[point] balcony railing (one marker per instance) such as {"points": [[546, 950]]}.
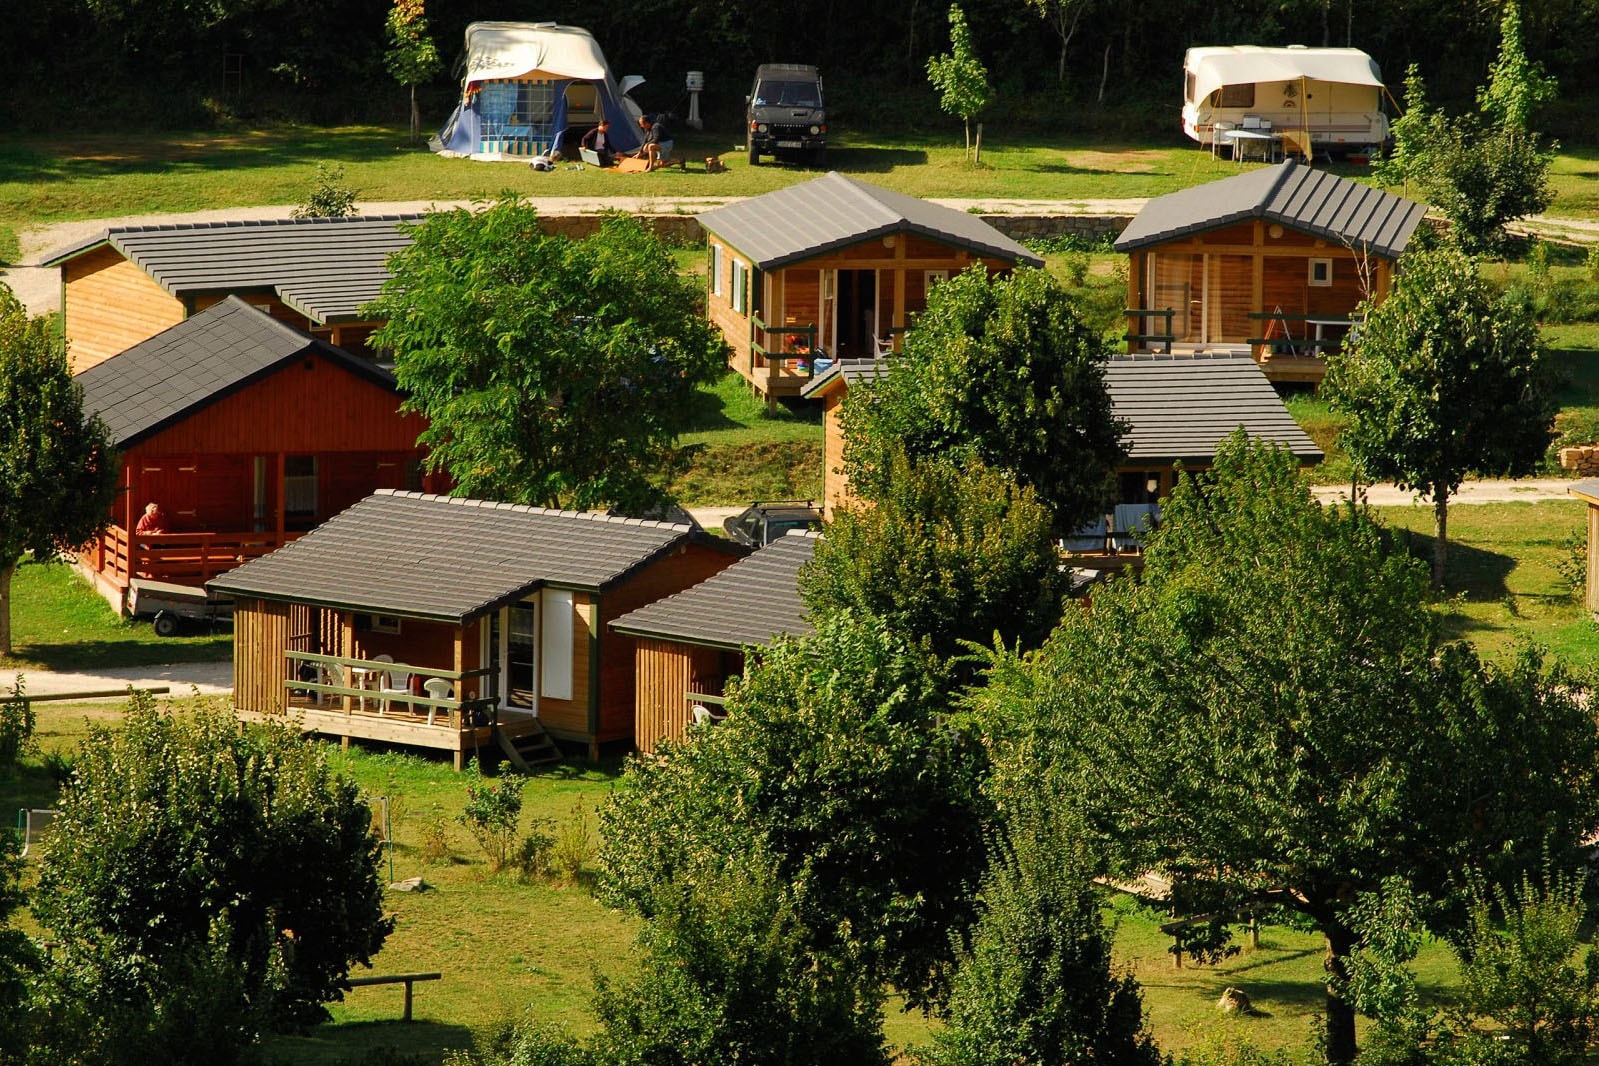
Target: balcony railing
{"points": [[355, 687], [181, 558]]}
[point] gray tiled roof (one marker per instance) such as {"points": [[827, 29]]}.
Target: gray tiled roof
{"points": [[847, 371], [438, 557], [1183, 406], [1586, 489], [747, 605], [197, 362], [1178, 406], [326, 268], [1300, 197], [833, 211]]}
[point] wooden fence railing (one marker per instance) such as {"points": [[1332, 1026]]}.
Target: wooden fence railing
{"points": [[181, 558]]}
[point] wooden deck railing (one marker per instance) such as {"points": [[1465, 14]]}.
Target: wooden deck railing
{"points": [[353, 698], [182, 558]]}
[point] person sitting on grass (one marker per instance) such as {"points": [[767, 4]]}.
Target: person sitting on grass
{"points": [[655, 146], [598, 141]]}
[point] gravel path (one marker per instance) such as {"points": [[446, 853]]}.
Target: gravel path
{"points": [[212, 679]]}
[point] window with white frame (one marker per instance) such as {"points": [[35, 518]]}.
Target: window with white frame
{"points": [[741, 287], [1321, 273], [715, 267]]}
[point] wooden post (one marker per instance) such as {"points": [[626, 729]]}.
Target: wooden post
{"points": [[408, 987], [280, 502], [1257, 294], [899, 285]]}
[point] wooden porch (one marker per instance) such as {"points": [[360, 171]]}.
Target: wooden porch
{"points": [[345, 697]]}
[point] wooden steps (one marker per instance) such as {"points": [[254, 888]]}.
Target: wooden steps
{"points": [[528, 747]]}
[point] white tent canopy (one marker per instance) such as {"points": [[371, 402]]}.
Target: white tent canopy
{"points": [[496, 50], [1213, 68]]}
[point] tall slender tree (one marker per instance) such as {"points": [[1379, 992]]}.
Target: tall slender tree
{"points": [[412, 57], [58, 470], [1442, 381], [961, 78]]}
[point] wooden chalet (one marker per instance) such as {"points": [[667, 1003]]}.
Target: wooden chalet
{"points": [[1273, 262], [687, 646], [131, 282], [1178, 409], [832, 268], [246, 432], [1587, 490], [495, 616]]}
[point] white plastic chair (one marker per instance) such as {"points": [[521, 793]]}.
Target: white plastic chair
{"points": [[35, 825], [702, 715], [391, 683], [437, 688]]}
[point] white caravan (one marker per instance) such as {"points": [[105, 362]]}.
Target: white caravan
{"points": [[1314, 99]]}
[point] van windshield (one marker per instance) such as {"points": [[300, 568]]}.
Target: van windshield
{"points": [[788, 94]]}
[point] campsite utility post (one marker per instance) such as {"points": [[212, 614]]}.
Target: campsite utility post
{"points": [[695, 83]]}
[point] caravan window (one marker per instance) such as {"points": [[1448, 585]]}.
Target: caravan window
{"points": [[1188, 85], [1234, 96]]}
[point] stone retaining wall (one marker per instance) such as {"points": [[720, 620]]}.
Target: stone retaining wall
{"points": [[685, 229], [1583, 460]]}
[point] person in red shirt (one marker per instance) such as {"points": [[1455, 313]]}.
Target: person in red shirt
{"points": [[152, 521]]}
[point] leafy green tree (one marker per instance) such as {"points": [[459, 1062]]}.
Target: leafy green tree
{"points": [[552, 371], [19, 957], [961, 78], [1270, 715], [58, 470], [192, 849], [1037, 984], [1002, 371], [836, 764], [1443, 380], [730, 972], [411, 58], [1485, 169], [949, 554]]}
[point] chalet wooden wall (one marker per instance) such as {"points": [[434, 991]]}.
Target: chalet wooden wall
{"points": [[835, 483], [665, 671], [688, 566], [261, 634], [308, 407], [111, 305], [569, 719]]}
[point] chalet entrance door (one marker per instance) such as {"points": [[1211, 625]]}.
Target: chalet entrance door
{"points": [[855, 314], [512, 653]]}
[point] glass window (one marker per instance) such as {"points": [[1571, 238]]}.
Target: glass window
{"points": [[715, 268], [1234, 96], [741, 288], [788, 94]]}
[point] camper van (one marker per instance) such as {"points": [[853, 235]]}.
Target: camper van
{"points": [[527, 88], [1296, 100]]}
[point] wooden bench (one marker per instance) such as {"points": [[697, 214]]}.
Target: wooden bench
{"points": [[406, 979]]}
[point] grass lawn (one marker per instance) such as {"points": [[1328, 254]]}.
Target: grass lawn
{"points": [[58, 623], [749, 453], [1502, 578]]}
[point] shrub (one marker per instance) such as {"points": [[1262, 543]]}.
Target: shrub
{"points": [[16, 727], [532, 858], [435, 847], [573, 846], [492, 810], [330, 197]]}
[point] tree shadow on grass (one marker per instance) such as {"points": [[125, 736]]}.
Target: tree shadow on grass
{"points": [[90, 655], [1479, 575], [391, 1043], [874, 160], [83, 157]]}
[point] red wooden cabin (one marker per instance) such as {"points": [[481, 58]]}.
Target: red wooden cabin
{"points": [[247, 432]]}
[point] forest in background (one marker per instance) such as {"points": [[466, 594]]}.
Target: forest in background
{"points": [[94, 64]]}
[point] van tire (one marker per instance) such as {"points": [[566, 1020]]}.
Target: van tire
{"points": [[755, 153]]}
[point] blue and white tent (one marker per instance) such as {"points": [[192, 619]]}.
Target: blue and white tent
{"points": [[525, 85]]}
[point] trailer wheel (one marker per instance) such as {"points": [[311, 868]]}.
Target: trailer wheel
{"points": [[165, 624]]}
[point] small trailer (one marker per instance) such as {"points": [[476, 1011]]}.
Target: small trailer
{"points": [[167, 605]]}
